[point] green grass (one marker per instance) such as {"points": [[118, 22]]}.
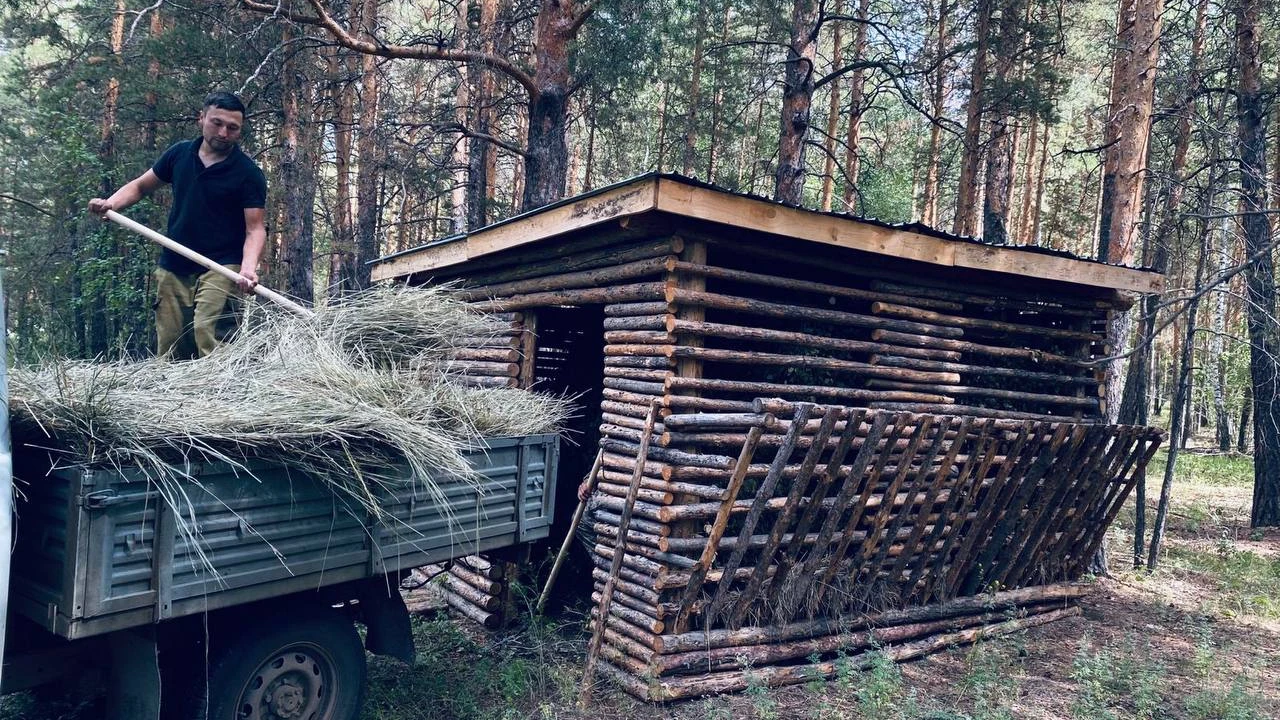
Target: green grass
{"points": [[1203, 469], [1246, 582]]}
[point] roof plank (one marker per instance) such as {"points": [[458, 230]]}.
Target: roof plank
{"points": [[687, 199]]}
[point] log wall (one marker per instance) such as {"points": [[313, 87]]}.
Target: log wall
{"points": [[838, 436]]}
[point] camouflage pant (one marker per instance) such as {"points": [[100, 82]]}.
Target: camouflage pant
{"points": [[194, 313]]}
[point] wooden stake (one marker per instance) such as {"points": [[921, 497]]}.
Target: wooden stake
{"points": [[606, 597]]}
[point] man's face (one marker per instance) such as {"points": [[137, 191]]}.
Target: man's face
{"points": [[220, 128]]}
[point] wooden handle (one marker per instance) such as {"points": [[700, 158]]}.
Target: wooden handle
{"points": [[194, 256]]}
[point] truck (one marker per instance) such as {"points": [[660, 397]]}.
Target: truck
{"points": [[244, 599]]}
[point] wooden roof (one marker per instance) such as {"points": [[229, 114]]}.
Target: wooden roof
{"points": [[682, 197]]}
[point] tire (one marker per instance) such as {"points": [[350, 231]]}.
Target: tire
{"points": [[306, 665]]}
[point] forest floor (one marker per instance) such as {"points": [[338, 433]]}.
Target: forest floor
{"points": [[1197, 639]]}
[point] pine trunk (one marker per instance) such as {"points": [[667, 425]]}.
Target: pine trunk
{"points": [[833, 114], [1260, 280], [1128, 127], [857, 86], [967, 191], [298, 179], [369, 153], [547, 161], [342, 248], [797, 101], [938, 94]]}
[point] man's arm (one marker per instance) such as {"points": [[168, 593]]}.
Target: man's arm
{"points": [[255, 238], [128, 194]]}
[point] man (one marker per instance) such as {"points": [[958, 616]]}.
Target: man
{"points": [[219, 196]]}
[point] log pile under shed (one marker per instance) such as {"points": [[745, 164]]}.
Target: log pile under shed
{"points": [[860, 430]]}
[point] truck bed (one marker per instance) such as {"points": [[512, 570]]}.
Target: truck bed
{"points": [[98, 551]]}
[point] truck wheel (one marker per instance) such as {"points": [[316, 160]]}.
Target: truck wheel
{"points": [[289, 666]]}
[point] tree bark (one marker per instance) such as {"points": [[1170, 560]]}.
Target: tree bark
{"points": [[857, 86], [1003, 142], [1217, 342], [833, 114], [459, 209], [547, 160], [797, 100], [342, 244], [1264, 335], [297, 178], [967, 191], [695, 91], [938, 95], [369, 155], [1128, 128]]}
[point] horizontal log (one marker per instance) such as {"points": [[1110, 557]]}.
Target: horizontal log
{"points": [[664, 351], [625, 610], [639, 362], [714, 420], [757, 334], [611, 245], [610, 485], [984, 370], [632, 337], [1056, 304], [708, 300], [986, 602], [632, 309], [631, 398], [720, 659], [488, 381], [596, 277], [481, 565], [625, 572], [485, 369], [471, 612], [811, 361], [638, 322], [646, 526], [497, 354], [964, 346], [776, 676], [978, 411], [766, 388], [480, 599], [1088, 403], [627, 463], [808, 286], [630, 410], [674, 457], [689, 402], [628, 421], [642, 565], [587, 296], [998, 326], [656, 375], [476, 580]]}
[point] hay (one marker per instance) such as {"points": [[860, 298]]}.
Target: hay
{"points": [[351, 395]]}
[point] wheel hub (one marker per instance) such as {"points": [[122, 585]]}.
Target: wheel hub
{"points": [[286, 700], [292, 685]]}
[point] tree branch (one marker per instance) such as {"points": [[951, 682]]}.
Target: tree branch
{"points": [[405, 52]]}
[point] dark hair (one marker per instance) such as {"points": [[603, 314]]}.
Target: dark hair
{"points": [[224, 100]]}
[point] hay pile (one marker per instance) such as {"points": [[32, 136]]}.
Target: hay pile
{"points": [[347, 395]]}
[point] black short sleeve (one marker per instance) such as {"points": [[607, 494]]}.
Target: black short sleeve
{"points": [[164, 166], [253, 191]]}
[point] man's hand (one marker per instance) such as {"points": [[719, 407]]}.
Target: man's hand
{"points": [[99, 207], [248, 280], [584, 489]]}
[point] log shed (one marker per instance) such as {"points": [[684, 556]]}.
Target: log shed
{"points": [[863, 430]]}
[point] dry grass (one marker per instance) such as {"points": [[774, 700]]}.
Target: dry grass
{"points": [[354, 392]]}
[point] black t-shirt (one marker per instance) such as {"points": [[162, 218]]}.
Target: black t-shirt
{"points": [[208, 204]]}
